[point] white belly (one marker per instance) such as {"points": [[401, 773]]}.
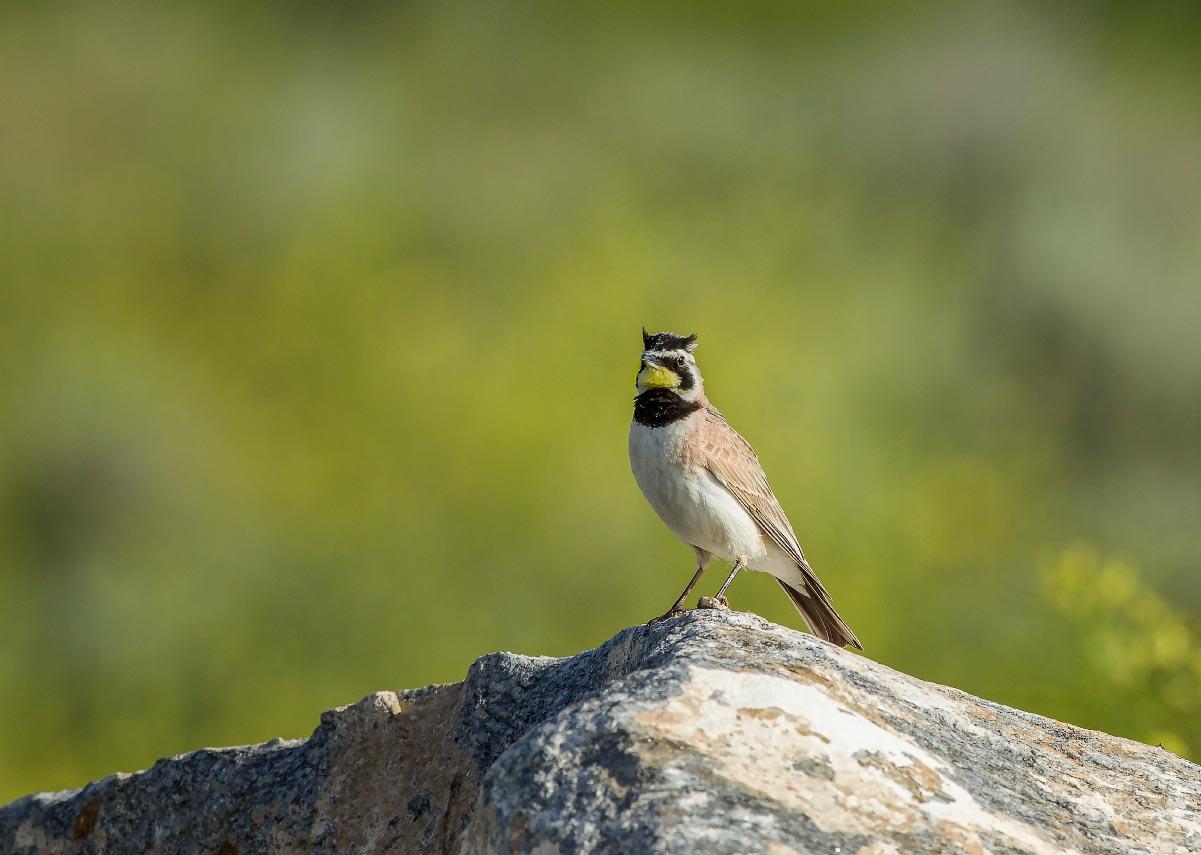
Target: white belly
{"points": [[697, 509]]}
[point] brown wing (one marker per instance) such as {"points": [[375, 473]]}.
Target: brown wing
{"points": [[732, 461]]}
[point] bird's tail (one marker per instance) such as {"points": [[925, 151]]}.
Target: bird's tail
{"points": [[819, 614]]}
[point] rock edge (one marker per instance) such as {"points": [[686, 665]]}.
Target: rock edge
{"points": [[715, 732]]}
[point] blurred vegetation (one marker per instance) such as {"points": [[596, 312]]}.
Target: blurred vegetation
{"points": [[318, 327], [1131, 644]]}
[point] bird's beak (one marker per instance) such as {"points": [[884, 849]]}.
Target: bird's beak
{"points": [[657, 377]]}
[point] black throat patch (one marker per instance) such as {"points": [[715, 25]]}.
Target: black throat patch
{"points": [[659, 407]]}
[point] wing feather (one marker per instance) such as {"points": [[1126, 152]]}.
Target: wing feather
{"points": [[731, 460]]}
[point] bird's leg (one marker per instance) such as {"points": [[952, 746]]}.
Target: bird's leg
{"points": [[702, 561], [720, 601]]}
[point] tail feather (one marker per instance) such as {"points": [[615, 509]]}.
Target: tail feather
{"points": [[819, 614]]}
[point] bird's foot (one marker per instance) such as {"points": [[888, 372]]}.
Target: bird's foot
{"points": [[719, 603], [667, 615]]}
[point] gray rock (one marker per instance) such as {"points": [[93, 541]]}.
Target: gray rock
{"points": [[711, 732]]}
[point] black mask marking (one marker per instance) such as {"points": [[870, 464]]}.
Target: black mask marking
{"points": [[684, 372]]}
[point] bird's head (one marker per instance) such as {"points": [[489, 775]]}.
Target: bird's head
{"points": [[668, 363]]}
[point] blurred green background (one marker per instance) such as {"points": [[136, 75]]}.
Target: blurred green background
{"points": [[318, 327]]}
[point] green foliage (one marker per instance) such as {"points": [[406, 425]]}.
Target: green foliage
{"points": [[318, 331], [1141, 654]]}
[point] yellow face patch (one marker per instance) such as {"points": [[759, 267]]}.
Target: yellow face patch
{"points": [[658, 377]]}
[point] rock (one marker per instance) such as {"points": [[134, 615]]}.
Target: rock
{"points": [[710, 732]]}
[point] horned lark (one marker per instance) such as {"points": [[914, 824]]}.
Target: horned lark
{"points": [[706, 484]]}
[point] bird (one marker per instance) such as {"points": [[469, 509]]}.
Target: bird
{"points": [[706, 483]]}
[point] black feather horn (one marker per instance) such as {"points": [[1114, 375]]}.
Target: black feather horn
{"points": [[667, 341]]}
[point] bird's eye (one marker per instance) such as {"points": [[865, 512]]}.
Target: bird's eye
{"points": [[681, 362]]}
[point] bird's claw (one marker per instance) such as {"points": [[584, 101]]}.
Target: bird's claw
{"points": [[667, 615], [719, 603]]}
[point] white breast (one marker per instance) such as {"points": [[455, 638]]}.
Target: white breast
{"points": [[688, 499]]}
